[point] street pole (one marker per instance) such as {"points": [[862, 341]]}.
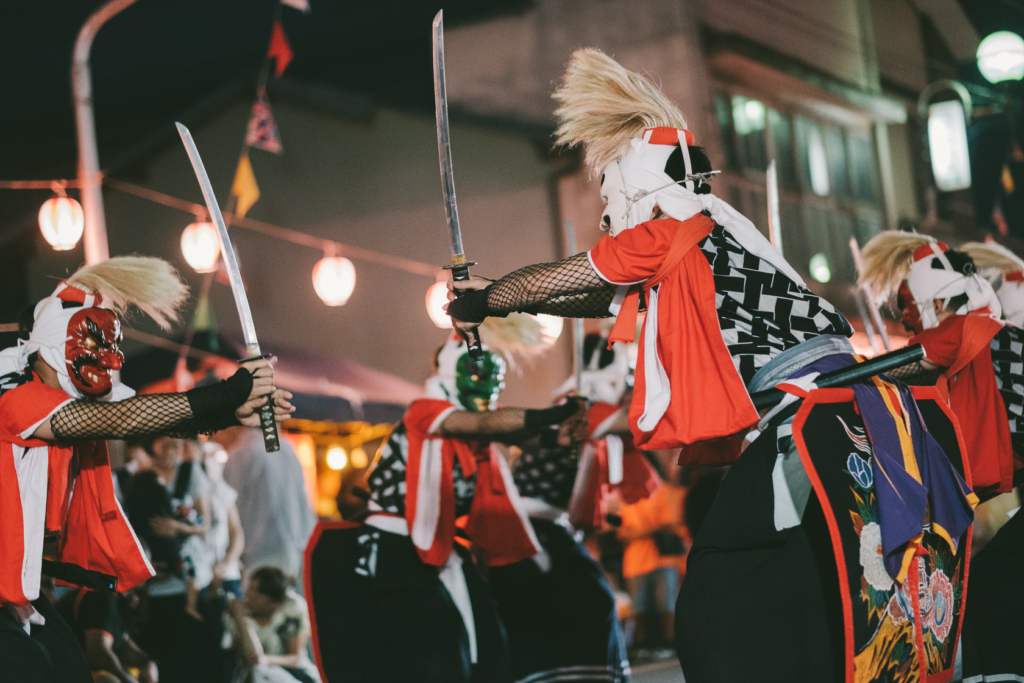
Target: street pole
{"points": [[90, 180]]}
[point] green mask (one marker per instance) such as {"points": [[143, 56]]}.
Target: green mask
{"points": [[478, 387]]}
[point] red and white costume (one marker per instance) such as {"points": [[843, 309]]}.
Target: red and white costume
{"points": [[48, 487], [496, 521]]}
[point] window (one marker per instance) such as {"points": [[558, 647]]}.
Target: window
{"points": [[749, 121], [812, 156], [839, 173], [724, 114], [862, 163], [782, 143]]}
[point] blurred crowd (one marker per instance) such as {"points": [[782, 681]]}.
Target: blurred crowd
{"points": [[225, 525]]}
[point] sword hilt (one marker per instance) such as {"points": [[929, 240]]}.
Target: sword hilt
{"points": [[268, 422], [460, 273]]}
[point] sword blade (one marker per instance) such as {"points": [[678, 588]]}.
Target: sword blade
{"points": [[444, 147], [227, 252]]}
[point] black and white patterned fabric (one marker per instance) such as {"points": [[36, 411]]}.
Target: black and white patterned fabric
{"points": [[1008, 362], [387, 481], [13, 380], [761, 311], [547, 474]]}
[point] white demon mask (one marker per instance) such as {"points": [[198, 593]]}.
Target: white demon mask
{"points": [[932, 277], [631, 187]]}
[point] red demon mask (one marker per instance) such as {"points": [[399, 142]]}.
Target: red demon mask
{"points": [[911, 315], [93, 350]]}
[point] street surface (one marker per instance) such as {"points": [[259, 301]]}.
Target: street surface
{"points": [[661, 672]]}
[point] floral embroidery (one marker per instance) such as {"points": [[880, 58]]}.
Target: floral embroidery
{"points": [[871, 557], [860, 470]]}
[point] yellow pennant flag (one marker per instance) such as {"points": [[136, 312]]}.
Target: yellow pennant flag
{"points": [[245, 187], [1007, 179]]}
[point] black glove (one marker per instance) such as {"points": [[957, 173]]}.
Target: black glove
{"points": [[472, 307], [219, 401], [536, 419]]}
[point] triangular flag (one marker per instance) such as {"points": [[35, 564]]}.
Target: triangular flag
{"points": [[245, 187], [262, 129], [204, 321], [298, 4], [280, 50], [1007, 179]]}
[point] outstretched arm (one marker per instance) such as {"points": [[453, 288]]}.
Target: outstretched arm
{"points": [[202, 410], [570, 288], [514, 423]]}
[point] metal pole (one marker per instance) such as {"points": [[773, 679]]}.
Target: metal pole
{"points": [[89, 177]]}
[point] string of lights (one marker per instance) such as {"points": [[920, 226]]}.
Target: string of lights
{"points": [[61, 221]]}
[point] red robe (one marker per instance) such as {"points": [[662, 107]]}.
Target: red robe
{"points": [[639, 479], [496, 523], [686, 373], [961, 345], [43, 489]]}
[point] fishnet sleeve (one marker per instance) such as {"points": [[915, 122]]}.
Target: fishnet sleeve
{"points": [[915, 374], [139, 416], [569, 288], [462, 423]]}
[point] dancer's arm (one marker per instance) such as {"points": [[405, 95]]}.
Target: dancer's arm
{"points": [[201, 410]]}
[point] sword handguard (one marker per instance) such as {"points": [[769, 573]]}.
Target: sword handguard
{"points": [[460, 273], [268, 421]]}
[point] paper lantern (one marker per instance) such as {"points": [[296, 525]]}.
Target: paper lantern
{"points": [[62, 222], [334, 278], [1001, 57], [200, 245], [550, 326], [336, 458], [947, 146], [437, 297]]}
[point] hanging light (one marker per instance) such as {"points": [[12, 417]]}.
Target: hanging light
{"points": [[334, 278], [1001, 57], [437, 297], [550, 327], [337, 458], [200, 245], [61, 221], [947, 144]]}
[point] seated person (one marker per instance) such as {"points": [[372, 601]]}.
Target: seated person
{"points": [[99, 621], [270, 628]]}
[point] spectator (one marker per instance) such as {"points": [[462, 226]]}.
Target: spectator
{"points": [[169, 506], [270, 629], [187, 646], [272, 503], [226, 537], [654, 557], [98, 619]]}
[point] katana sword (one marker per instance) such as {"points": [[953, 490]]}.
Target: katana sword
{"points": [[460, 266], [268, 424]]}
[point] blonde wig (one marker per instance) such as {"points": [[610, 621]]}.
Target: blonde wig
{"points": [[887, 259], [992, 260], [150, 284], [603, 105]]}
